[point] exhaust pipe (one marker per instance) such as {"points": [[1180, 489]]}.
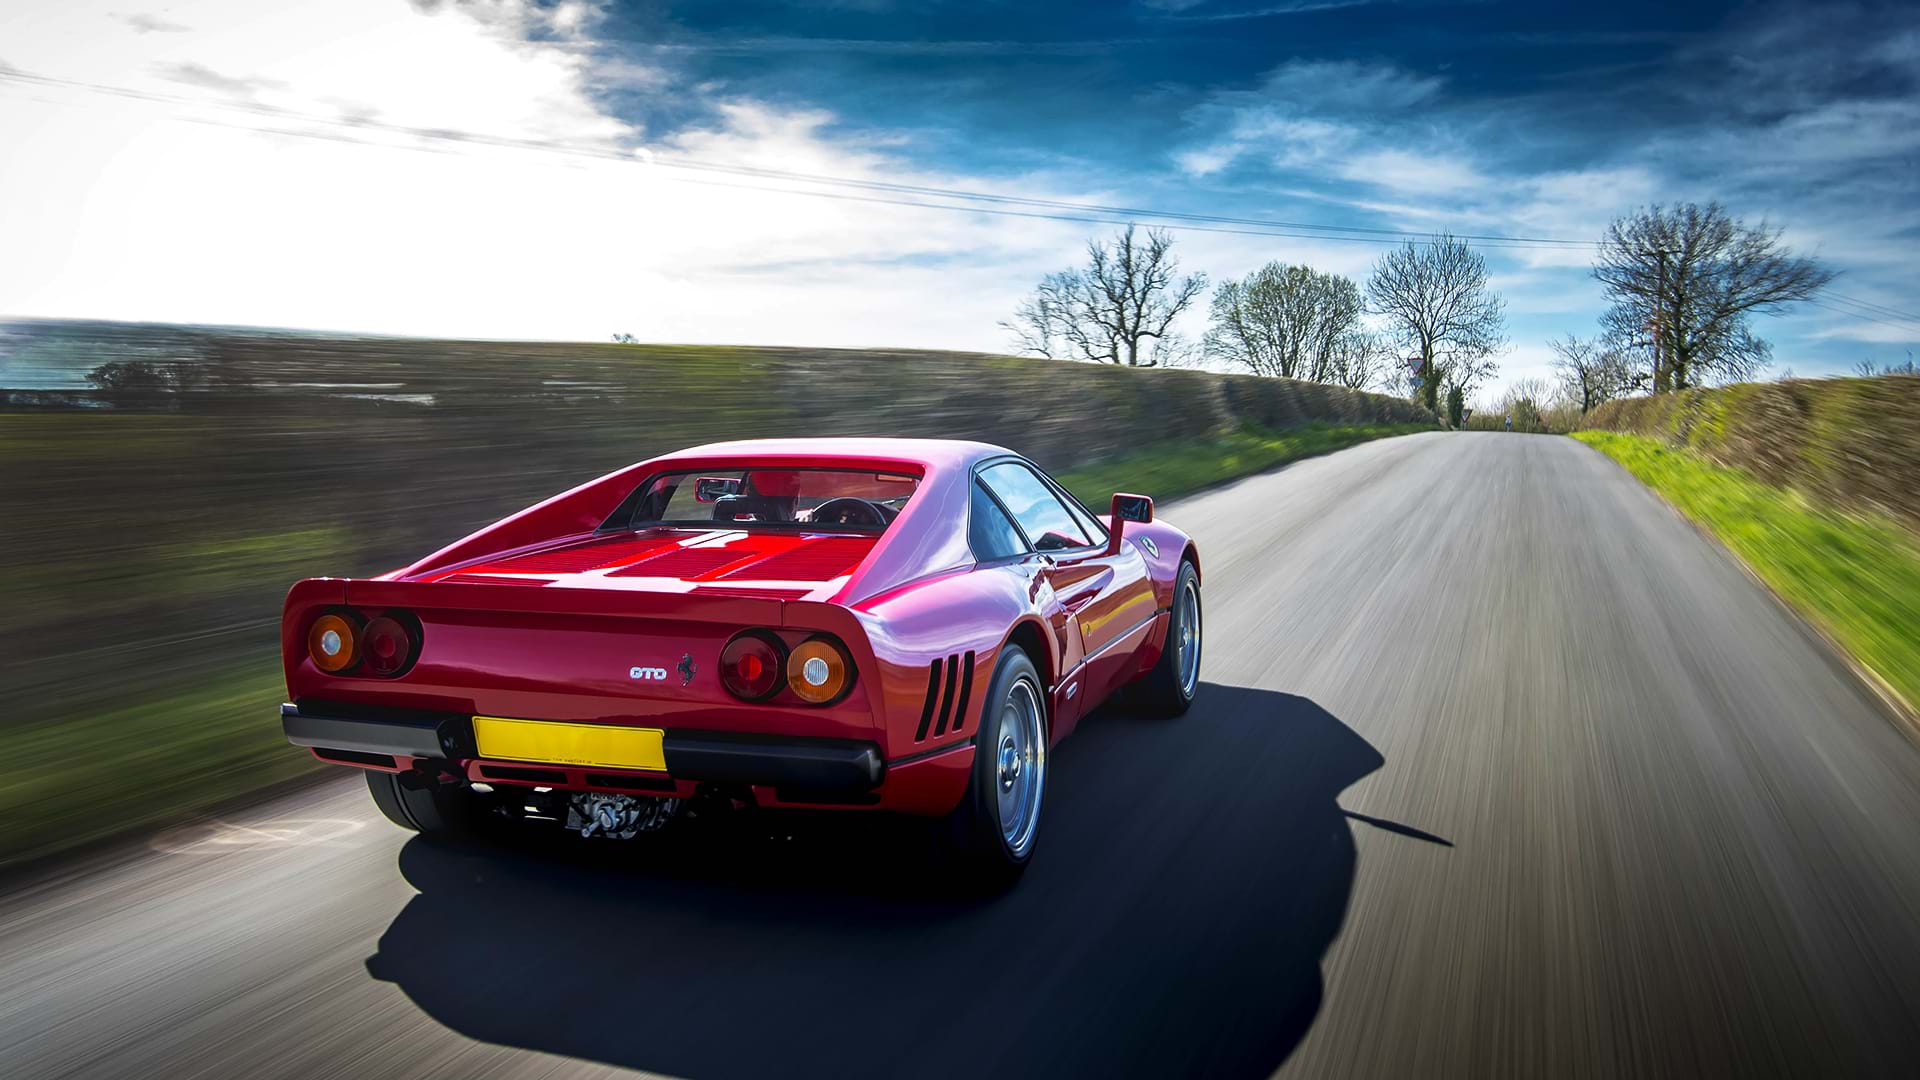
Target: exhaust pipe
{"points": [[621, 817]]}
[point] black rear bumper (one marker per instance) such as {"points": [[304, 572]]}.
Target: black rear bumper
{"points": [[396, 735], [719, 757], [835, 764]]}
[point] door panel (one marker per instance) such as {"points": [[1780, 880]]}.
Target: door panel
{"points": [[1092, 601], [1108, 598]]}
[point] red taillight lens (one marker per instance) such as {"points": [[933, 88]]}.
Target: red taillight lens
{"points": [[333, 643], [819, 672], [751, 666], [388, 646]]}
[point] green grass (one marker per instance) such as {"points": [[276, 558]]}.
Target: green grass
{"points": [[82, 778], [1168, 470], [1857, 576]]}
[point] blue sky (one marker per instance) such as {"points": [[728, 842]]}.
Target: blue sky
{"points": [[547, 135]]}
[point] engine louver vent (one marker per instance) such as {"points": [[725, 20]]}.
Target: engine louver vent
{"points": [[580, 557], [684, 563], [949, 686], [815, 560]]}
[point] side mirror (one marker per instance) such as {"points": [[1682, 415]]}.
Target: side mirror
{"points": [[1125, 507], [1135, 508]]}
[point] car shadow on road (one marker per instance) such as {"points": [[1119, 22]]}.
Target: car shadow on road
{"points": [[1189, 876]]}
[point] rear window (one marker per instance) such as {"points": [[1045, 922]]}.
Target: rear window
{"points": [[838, 500]]}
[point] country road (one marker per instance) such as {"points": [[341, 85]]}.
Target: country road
{"points": [[1500, 769]]}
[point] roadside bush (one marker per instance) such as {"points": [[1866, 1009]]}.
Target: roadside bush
{"points": [[1849, 443]]}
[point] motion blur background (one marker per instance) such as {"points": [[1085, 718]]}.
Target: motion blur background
{"points": [[815, 178], [153, 528]]}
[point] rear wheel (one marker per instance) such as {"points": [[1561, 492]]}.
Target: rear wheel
{"points": [[997, 822], [1169, 689], [422, 804]]}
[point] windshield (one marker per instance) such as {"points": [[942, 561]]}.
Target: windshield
{"points": [[843, 500]]}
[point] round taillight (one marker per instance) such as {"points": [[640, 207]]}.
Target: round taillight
{"points": [[750, 666], [819, 672], [333, 644], [387, 646]]}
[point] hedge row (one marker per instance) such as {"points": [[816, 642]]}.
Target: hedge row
{"points": [[1849, 443]]}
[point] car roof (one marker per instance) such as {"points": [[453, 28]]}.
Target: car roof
{"points": [[938, 453]]}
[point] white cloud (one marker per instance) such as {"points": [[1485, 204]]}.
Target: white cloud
{"points": [[283, 179], [1413, 172], [238, 206], [1880, 332]]}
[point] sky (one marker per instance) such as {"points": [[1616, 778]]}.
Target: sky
{"points": [[747, 172]]}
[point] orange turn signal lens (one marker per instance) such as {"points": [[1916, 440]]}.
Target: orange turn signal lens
{"points": [[818, 671], [333, 644]]}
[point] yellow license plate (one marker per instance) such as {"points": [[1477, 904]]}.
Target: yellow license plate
{"points": [[551, 743]]}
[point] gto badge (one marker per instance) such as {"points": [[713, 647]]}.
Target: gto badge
{"points": [[650, 673]]}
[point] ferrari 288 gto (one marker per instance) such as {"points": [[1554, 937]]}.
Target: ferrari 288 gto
{"points": [[897, 625]]}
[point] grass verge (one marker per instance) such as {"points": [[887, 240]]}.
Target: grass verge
{"points": [[79, 780], [1168, 470], [1856, 576]]}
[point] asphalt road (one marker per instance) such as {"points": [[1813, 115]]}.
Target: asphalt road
{"points": [[1500, 769]]}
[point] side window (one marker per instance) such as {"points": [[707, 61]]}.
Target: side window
{"points": [[1087, 520], [1041, 515], [989, 530]]}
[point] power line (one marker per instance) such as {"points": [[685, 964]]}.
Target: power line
{"points": [[1911, 326], [959, 200], [1870, 306]]}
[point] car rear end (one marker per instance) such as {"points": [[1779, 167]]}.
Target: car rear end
{"points": [[657, 664]]}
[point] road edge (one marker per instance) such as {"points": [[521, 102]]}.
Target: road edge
{"points": [[1900, 712], [108, 850]]}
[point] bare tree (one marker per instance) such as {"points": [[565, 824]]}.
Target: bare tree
{"points": [[1438, 306], [1525, 403], [1115, 310], [1683, 282], [1866, 369], [1361, 360], [1284, 320], [1039, 324], [1591, 371]]}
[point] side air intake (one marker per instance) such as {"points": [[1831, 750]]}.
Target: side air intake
{"points": [[949, 685]]}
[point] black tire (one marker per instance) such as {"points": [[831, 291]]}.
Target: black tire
{"points": [[976, 829], [422, 804], [1163, 690]]}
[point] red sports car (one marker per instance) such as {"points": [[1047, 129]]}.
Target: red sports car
{"points": [[902, 625]]}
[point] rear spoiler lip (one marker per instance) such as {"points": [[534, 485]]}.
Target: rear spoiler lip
{"points": [[742, 611], [628, 603]]}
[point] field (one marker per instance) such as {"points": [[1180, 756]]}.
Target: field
{"points": [[152, 530]]}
